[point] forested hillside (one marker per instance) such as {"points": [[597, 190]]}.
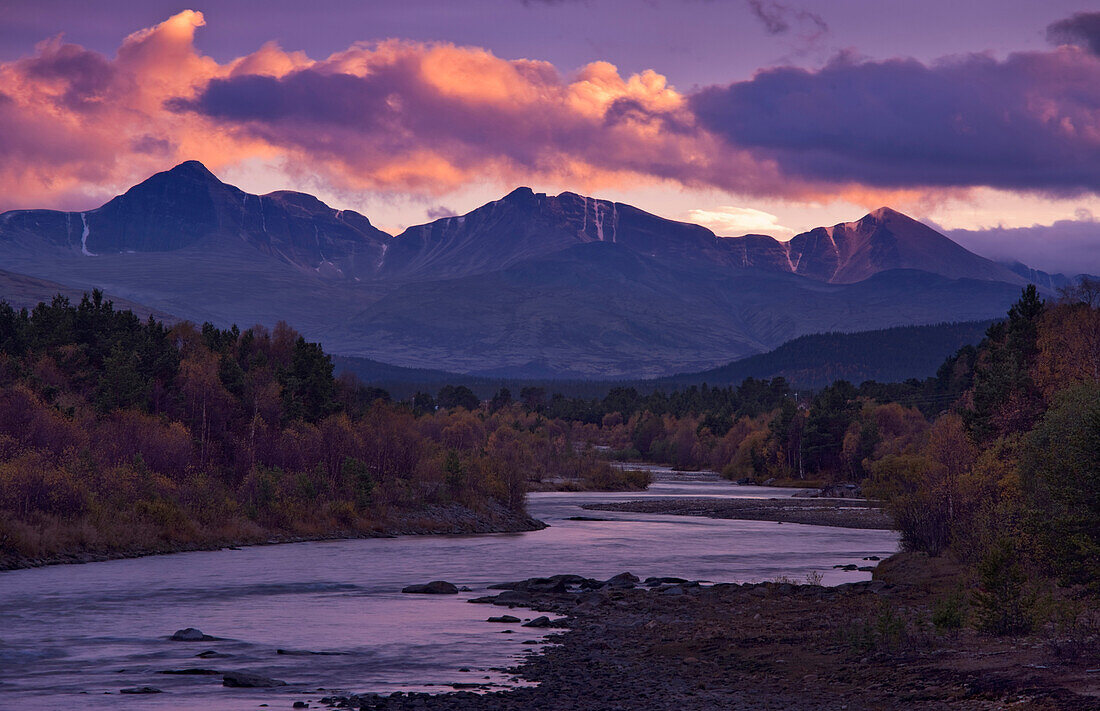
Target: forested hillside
{"points": [[886, 355], [122, 435], [119, 435], [994, 462]]}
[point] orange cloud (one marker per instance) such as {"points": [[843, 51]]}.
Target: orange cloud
{"points": [[392, 116], [76, 125]]}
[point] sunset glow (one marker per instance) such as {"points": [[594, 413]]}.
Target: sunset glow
{"points": [[393, 126]]}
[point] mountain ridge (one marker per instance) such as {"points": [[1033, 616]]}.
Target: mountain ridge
{"points": [[883, 239], [178, 207], [564, 285]]}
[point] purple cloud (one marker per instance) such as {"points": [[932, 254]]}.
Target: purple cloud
{"points": [[87, 76], [1031, 121], [1082, 29], [1068, 246], [439, 211], [777, 18]]}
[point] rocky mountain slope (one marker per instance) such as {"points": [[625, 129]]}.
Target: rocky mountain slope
{"points": [[882, 240], [528, 285], [187, 205]]}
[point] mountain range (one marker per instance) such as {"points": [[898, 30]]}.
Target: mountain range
{"points": [[531, 285]]}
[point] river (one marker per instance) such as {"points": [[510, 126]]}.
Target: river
{"points": [[73, 636]]}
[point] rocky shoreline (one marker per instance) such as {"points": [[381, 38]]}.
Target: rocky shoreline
{"points": [[680, 645], [449, 520], [849, 513]]}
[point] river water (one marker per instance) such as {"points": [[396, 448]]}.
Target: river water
{"points": [[73, 636]]}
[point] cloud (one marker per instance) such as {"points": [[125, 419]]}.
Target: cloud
{"points": [[425, 119], [394, 117], [777, 19], [1028, 122], [735, 221], [440, 211], [1068, 246], [1081, 29], [75, 124], [430, 117]]}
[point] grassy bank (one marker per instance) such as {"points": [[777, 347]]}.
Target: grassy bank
{"points": [[52, 541]]}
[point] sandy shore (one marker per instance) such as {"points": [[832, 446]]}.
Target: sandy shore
{"points": [[845, 513], [770, 646]]}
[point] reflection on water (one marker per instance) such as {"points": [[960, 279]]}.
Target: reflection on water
{"points": [[77, 634]]}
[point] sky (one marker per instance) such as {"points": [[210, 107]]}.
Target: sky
{"points": [[762, 116]]}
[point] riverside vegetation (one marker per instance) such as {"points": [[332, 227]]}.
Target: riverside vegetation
{"points": [[991, 472], [993, 464], [122, 437], [118, 435]]}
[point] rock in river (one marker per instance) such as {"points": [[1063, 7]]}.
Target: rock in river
{"points": [[436, 587], [512, 597], [140, 690], [190, 634], [249, 681], [508, 619], [541, 621]]}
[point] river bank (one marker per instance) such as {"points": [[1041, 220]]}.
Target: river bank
{"points": [[849, 513], [773, 645], [433, 520], [71, 630]]}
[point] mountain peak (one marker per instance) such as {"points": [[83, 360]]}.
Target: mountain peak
{"points": [[886, 239], [884, 213], [192, 169], [520, 194]]}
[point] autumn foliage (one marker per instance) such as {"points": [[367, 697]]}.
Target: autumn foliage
{"points": [[119, 435], [996, 459]]}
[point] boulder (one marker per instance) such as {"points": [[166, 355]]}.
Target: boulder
{"points": [[244, 680], [506, 619], [623, 580], [654, 582], [939, 574], [436, 587], [190, 634], [590, 598], [673, 590], [484, 600], [541, 621], [512, 597], [141, 690], [553, 584]]}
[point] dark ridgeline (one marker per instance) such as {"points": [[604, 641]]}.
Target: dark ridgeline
{"points": [[187, 207], [528, 286]]}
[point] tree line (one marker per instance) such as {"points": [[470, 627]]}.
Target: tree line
{"points": [[122, 434]]}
